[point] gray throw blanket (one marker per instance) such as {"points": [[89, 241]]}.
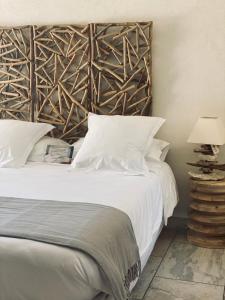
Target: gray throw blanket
{"points": [[103, 232]]}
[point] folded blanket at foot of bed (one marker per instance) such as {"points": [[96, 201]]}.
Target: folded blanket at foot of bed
{"points": [[102, 232]]}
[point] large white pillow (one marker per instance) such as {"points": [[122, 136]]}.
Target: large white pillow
{"points": [[117, 142], [17, 139], [158, 149], [39, 151]]}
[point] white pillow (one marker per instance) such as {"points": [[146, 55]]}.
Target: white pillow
{"points": [[77, 145], [39, 151], [17, 139], [158, 149], [117, 142]]}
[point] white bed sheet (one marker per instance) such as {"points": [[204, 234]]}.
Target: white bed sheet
{"points": [[145, 199]]}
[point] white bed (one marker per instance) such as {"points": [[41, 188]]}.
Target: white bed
{"points": [[147, 200]]}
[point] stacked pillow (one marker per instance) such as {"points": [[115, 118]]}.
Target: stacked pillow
{"points": [[117, 143], [121, 143], [158, 149], [17, 139]]}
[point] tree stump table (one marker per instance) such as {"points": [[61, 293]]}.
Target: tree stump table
{"points": [[206, 225]]}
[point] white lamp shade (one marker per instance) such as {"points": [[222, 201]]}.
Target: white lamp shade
{"points": [[208, 130]]}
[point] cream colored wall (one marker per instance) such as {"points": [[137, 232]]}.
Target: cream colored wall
{"points": [[188, 57]]}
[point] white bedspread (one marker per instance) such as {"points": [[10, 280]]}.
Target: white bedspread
{"points": [[143, 199]]}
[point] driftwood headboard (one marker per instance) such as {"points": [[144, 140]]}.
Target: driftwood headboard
{"points": [[57, 74]]}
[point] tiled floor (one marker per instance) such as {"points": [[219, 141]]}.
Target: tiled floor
{"points": [[181, 271]]}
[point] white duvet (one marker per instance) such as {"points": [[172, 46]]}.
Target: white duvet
{"points": [[145, 199]]}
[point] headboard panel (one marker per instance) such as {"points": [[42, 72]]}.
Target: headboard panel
{"points": [[57, 74], [15, 57], [121, 66], [62, 77]]}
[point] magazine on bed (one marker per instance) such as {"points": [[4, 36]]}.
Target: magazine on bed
{"points": [[59, 154]]}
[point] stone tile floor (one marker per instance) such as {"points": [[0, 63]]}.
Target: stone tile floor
{"points": [[181, 271]]}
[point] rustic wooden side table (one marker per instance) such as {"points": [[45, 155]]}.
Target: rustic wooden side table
{"points": [[206, 225]]}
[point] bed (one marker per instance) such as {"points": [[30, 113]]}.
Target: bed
{"points": [[79, 69], [38, 270]]}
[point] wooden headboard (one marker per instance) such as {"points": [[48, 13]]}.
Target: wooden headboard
{"points": [[57, 74]]}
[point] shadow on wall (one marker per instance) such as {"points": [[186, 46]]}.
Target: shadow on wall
{"points": [[168, 37], [185, 58]]}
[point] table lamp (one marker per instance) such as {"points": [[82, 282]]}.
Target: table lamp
{"points": [[209, 132]]}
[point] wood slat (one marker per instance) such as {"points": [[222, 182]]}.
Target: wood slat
{"points": [[208, 207], [206, 241], [210, 187], [206, 229], [207, 218], [208, 197]]}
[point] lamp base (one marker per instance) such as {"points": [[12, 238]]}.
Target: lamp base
{"points": [[207, 177]]}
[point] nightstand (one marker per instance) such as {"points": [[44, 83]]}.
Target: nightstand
{"points": [[206, 225]]}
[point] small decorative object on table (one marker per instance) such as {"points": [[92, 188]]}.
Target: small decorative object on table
{"points": [[209, 132], [206, 225]]}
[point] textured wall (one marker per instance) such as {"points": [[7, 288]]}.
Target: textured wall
{"points": [[188, 57]]}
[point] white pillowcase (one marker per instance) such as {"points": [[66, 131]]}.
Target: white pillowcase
{"points": [[117, 142], [76, 146], [39, 151], [158, 150], [17, 139]]}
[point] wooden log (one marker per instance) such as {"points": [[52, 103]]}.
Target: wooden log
{"points": [[208, 207]]}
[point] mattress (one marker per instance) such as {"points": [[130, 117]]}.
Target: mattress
{"points": [[147, 200]]}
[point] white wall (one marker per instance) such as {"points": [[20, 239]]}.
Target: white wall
{"points": [[188, 57]]}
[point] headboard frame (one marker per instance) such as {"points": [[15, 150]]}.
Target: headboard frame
{"points": [[57, 74]]}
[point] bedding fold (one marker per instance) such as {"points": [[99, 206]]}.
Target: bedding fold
{"points": [[102, 232]]}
